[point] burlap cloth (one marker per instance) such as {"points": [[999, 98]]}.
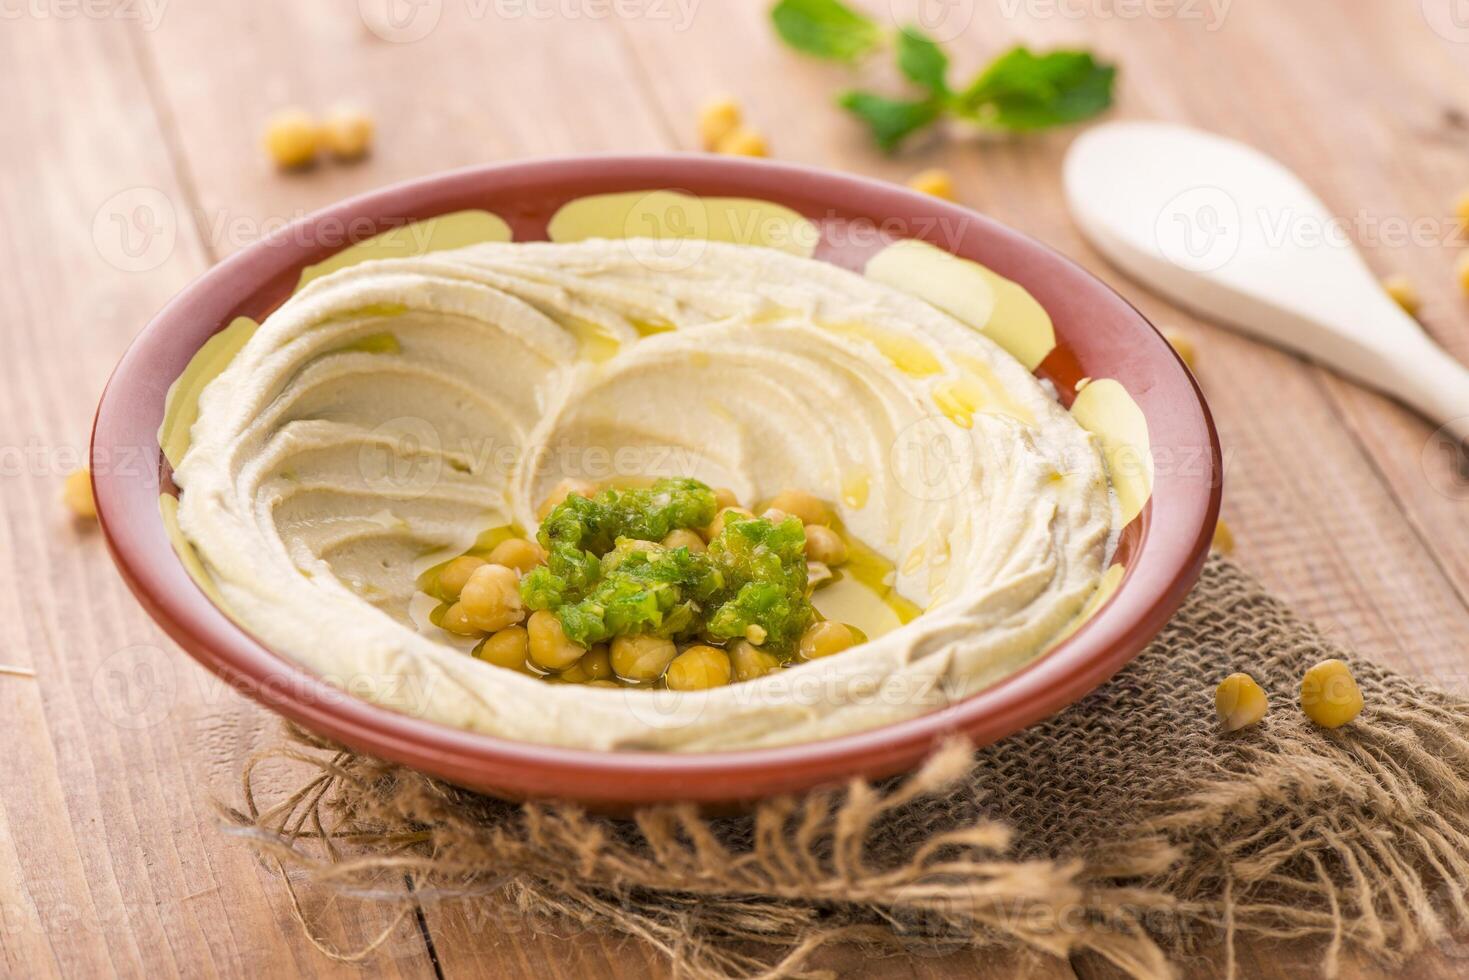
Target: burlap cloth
{"points": [[1128, 826]]}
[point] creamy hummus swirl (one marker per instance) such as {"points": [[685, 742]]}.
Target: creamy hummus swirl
{"points": [[390, 411]]}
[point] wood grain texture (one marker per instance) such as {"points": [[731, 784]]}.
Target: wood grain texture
{"points": [[110, 858]]}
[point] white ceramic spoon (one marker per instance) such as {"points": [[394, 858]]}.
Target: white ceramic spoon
{"points": [[1230, 233]]}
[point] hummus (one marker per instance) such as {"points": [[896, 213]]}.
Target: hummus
{"points": [[391, 411]]}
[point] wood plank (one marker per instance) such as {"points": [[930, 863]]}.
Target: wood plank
{"points": [[110, 863], [1318, 518], [469, 945], [1322, 520], [1408, 141], [1312, 58], [1294, 961], [346, 65], [474, 90], [1314, 515], [544, 88]]}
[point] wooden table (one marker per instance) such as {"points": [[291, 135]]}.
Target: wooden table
{"points": [[130, 161]]}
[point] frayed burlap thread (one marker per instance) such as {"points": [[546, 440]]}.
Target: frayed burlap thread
{"points": [[1127, 827]]}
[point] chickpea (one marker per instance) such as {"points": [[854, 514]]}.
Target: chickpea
{"points": [[698, 668], [807, 507], [517, 553], [683, 538], [455, 574], [774, 515], [456, 620], [1330, 695], [1239, 702], [717, 525], [1223, 539], [643, 657], [817, 575], [1403, 293], [825, 545], [937, 181], [750, 661], [717, 119], [561, 491], [725, 497], [77, 493], [291, 138], [1183, 344], [347, 132], [549, 647], [742, 141], [594, 665], [507, 648], [491, 598], [826, 638]]}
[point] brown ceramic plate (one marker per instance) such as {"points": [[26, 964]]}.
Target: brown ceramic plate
{"points": [[1098, 335]]}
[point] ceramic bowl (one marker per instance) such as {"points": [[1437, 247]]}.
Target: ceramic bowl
{"points": [[1098, 336]]}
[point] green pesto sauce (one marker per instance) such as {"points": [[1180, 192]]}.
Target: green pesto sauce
{"points": [[602, 580]]}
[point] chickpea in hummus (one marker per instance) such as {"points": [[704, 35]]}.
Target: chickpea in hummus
{"points": [[643, 585]]}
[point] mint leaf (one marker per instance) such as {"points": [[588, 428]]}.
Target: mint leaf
{"points": [[825, 28], [923, 61], [1023, 91], [890, 120]]}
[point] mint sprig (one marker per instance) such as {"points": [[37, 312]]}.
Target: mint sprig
{"points": [[1019, 91]]}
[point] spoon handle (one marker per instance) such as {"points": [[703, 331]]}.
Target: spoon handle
{"points": [[1431, 381], [1395, 356]]}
